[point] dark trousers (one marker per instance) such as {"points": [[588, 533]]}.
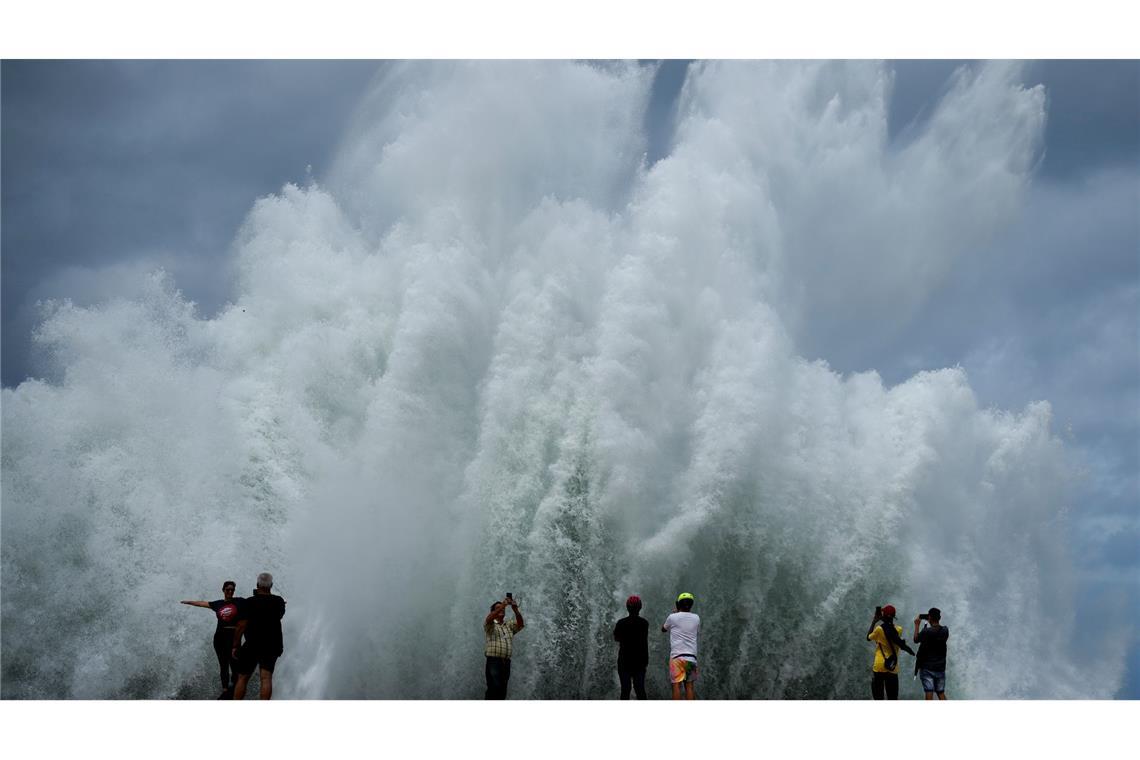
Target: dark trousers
{"points": [[637, 676], [223, 648], [887, 683], [498, 673]]}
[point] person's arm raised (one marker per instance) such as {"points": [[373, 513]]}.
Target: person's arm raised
{"points": [[518, 617], [874, 620]]}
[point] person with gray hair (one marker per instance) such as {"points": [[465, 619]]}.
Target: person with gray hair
{"points": [[259, 621]]}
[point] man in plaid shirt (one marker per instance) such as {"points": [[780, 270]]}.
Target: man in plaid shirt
{"points": [[498, 647]]}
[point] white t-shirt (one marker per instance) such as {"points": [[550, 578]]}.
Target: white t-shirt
{"points": [[683, 628]]}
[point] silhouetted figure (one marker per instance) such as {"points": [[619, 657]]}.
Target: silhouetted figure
{"points": [[226, 610], [259, 621], [632, 635], [930, 664]]}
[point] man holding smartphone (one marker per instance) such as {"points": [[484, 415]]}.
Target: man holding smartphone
{"points": [[931, 661], [498, 646], [888, 641]]}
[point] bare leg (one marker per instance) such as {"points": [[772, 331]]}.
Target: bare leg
{"points": [[266, 684], [942, 695], [239, 687], [929, 696], [676, 691], [690, 690]]}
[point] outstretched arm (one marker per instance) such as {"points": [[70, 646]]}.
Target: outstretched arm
{"points": [[198, 604]]}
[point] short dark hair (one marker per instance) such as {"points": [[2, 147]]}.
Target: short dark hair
{"points": [[494, 605], [685, 605], [934, 613], [228, 583]]}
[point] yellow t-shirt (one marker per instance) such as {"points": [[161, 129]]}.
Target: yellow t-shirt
{"points": [[882, 646]]}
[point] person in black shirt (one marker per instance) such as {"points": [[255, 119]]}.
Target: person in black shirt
{"points": [[930, 665], [632, 635], [259, 620], [226, 610]]}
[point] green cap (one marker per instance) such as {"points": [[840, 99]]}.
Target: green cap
{"points": [[686, 595]]}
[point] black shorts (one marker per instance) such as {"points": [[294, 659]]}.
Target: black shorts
{"points": [[249, 658]]}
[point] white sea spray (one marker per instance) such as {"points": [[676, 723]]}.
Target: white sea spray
{"points": [[496, 351]]}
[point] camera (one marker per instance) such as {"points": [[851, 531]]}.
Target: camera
{"points": [[924, 616], [509, 595]]}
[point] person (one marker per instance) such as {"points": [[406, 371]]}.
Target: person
{"points": [[632, 635], [684, 628], [226, 610], [259, 621], [930, 664], [888, 641], [499, 641]]}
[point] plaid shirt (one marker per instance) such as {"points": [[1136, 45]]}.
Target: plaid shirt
{"points": [[499, 638]]}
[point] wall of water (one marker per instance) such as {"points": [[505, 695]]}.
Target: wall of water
{"points": [[495, 351]]}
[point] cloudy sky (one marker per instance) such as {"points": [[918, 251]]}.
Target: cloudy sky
{"points": [[115, 168]]}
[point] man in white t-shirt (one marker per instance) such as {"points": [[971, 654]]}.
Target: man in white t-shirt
{"points": [[683, 627]]}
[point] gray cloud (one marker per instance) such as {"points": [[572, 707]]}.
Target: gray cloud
{"points": [[1094, 109], [112, 163], [111, 168]]}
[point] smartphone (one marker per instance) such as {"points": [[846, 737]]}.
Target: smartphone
{"points": [[509, 595], [923, 616]]}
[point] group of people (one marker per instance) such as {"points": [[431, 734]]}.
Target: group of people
{"points": [[631, 633], [929, 661], [247, 637], [684, 628]]}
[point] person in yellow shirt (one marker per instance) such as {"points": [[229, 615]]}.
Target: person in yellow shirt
{"points": [[888, 641]]}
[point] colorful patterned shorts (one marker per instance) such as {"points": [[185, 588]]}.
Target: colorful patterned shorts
{"points": [[682, 670]]}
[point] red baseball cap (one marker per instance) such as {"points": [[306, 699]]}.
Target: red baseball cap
{"points": [[889, 610]]}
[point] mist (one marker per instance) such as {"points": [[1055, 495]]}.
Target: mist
{"points": [[494, 349]]}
